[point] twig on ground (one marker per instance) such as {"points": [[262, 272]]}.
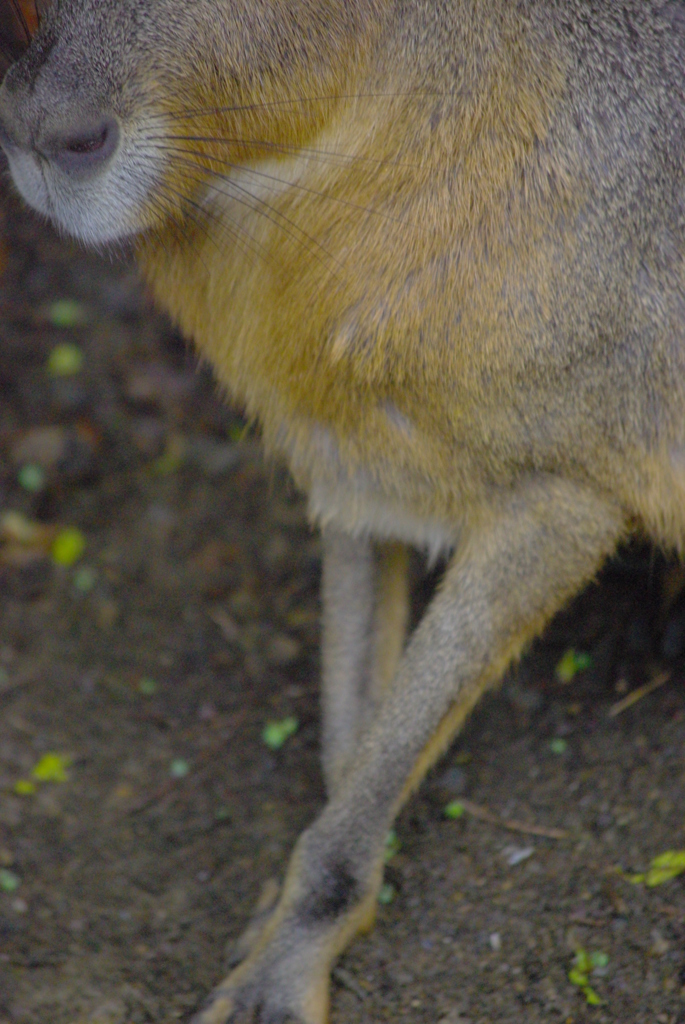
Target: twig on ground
{"points": [[578, 917], [348, 981], [635, 695], [484, 814]]}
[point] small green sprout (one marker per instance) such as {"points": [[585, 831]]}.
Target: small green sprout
{"points": [[68, 546], [32, 477], [392, 845], [147, 686], [171, 459], [85, 579], [275, 734], [599, 960], [51, 768], [24, 787], [585, 964], [662, 869], [386, 893], [178, 769], [9, 882], [454, 809], [557, 745], [65, 360], [570, 664], [67, 313]]}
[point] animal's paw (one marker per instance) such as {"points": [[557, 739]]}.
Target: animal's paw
{"points": [[282, 983], [224, 1007], [262, 914]]}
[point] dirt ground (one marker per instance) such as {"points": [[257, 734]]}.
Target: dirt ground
{"points": [[148, 668]]}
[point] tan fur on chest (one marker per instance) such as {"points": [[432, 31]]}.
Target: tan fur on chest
{"points": [[372, 284]]}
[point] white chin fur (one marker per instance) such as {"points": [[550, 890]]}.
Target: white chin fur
{"points": [[105, 208]]}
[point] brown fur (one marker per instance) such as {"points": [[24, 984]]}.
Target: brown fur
{"points": [[435, 248]]}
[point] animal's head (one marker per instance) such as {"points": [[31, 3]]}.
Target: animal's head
{"points": [[119, 111]]}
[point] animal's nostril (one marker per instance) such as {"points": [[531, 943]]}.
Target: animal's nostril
{"points": [[88, 144], [84, 150]]}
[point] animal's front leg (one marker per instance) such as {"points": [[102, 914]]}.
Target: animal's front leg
{"points": [[366, 604], [512, 571]]}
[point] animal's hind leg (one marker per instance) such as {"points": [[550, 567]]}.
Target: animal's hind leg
{"points": [[516, 565], [391, 614], [366, 601]]}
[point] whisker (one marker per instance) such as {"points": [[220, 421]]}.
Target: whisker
{"points": [[179, 226], [248, 245], [157, 204], [275, 216], [291, 101], [237, 234], [281, 147], [283, 181]]}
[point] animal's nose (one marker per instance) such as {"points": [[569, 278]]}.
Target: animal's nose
{"points": [[82, 149]]}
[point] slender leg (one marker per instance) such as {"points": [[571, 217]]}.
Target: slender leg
{"points": [[391, 614], [518, 563], [348, 585], [366, 602]]}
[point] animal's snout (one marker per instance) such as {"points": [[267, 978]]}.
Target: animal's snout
{"points": [[73, 150], [81, 149], [56, 126]]}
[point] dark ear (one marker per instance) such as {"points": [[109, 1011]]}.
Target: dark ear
{"points": [[18, 22]]}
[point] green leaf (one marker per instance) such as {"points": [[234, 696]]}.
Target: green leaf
{"points": [[275, 734], [31, 477], [68, 546], [24, 787], [52, 768], [577, 977], [592, 997], [9, 882], [666, 866], [662, 869], [67, 313], [570, 664], [85, 579], [65, 360], [179, 768], [172, 458], [454, 809], [386, 893], [392, 845]]}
